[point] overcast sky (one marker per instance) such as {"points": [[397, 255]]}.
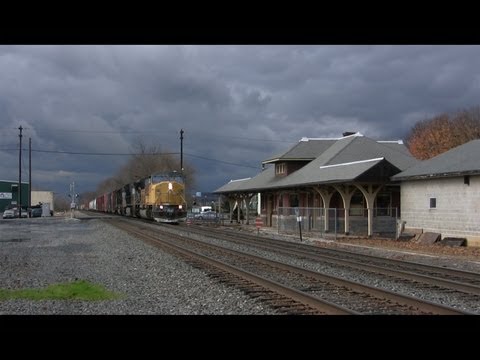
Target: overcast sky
{"points": [[236, 104]]}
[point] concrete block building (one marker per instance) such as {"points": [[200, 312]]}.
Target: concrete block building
{"points": [[43, 197], [442, 194]]}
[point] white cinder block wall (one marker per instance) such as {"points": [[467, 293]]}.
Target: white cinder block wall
{"points": [[45, 197], [457, 211]]}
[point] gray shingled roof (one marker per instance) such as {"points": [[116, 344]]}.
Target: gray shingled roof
{"points": [[462, 160], [362, 148], [347, 150], [233, 185], [305, 149], [396, 145], [330, 173], [357, 154]]}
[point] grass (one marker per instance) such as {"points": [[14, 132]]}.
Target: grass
{"points": [[76, 290]]}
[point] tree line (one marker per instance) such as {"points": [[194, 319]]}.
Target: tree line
{"points": [[146, 160], [434, 136]]}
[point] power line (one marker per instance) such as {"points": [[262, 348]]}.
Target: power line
{"points": [[194, 133], [90, 153], [244, 138], [223, 162], [163, 132], [101, 154], [98, 131], [137, 154]]}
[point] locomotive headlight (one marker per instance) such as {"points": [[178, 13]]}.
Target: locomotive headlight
{"points": [[180, 207], [161, 206], [170, 186]]}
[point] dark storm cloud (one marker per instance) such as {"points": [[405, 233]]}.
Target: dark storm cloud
{"points": [[238, 104]]}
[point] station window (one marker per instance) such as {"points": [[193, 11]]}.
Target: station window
{"points": [[466, 180], [433, 203], [280, 168]]}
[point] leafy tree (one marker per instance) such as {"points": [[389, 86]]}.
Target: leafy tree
{"points": [[431, 137]]}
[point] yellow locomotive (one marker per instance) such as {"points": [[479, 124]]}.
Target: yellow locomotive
{"points": [[158, 197], [163, 198]]}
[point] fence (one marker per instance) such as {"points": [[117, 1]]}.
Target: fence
{"points": [[330, 222]]}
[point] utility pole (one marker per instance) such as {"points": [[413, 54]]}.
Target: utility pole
{"points": [[30, 172], [19, 196], [73, 197], [181, 149]]}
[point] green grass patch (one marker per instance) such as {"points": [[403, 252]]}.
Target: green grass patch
{"points": [[76, 290]]}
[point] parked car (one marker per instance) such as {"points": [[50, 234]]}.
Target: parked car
{"points": [[36, 212], [207, 215], [9, 214], [24, 213]]}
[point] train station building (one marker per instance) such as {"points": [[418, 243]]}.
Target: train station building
{"points": [[339, 185]]}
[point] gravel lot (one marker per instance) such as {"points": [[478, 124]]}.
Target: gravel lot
{"points": [[41, 251]]}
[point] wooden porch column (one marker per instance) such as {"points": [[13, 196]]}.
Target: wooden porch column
{"points": [[239, 203], [346, 191], [326, 195], [247, 203], [269, 209], [248, 199], [231, 203], [370, 194]]}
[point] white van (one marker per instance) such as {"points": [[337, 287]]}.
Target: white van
{"points": [[201, 209]]}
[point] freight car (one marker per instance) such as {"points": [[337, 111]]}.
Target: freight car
{"points": [[159, 197]]}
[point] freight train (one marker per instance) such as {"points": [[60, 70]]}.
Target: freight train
{"points": [[159, 197]]}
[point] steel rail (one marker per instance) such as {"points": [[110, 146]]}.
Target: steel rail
{"points": [[434, 280], [404, 300], [299, 296]]}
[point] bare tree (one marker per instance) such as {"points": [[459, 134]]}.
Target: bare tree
{"points": [[144, 162], [107, 185], [61, 203]]}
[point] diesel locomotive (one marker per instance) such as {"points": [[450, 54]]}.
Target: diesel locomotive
{"points": [[159, 197]]}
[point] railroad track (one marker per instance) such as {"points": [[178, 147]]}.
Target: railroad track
{"points": [[287, 288], [427, 275], [278, 296]]}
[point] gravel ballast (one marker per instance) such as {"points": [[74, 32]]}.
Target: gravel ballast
{"points": [[37, 252]]}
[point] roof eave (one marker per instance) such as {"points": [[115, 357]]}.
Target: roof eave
{"points": [[287, 159], [434, 176], [286, 186]]}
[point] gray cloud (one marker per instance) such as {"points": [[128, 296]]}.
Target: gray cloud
{"points": [[238, 104]]}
